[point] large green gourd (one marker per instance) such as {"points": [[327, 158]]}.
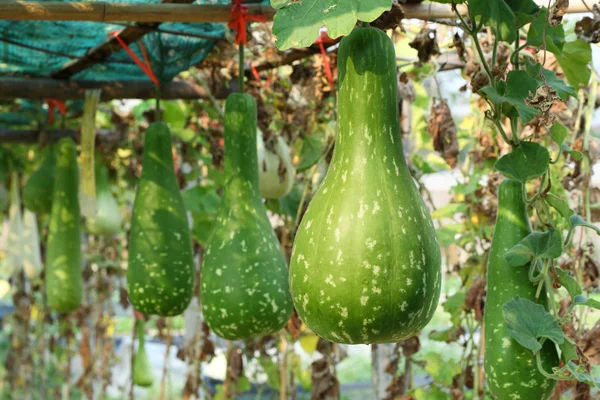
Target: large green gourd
{"points": [[63, 264], [37, 193], [108, 215], [244, 291], [366, 262], [160, 274], [510, 368]]}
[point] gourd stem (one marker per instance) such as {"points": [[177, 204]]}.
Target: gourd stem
{"points": [[532, 269], [241, 66], [241, 158], [157, 115]]}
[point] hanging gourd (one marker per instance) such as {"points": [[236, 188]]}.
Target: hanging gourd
{"points": [[39, 189], [275, 168], [366, 265], [160, 275], [510, 368], [14, 248], [63, 257], [107, 220], [30, 239], [4, 198], [87, 172], [244, 282], [142, 368]]}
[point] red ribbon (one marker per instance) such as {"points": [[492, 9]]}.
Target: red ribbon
{"points": [[256, 75], [239, 20], [145, 65], [322, 39], [53, 103]]}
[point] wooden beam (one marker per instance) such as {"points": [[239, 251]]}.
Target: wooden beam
{"points": [[118, 12], [101, 52], [8, 136], [41, 89]]}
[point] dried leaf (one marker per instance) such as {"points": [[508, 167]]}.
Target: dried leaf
{"points": [[389, 19], [474, 299], [123, 298], [235, 365], [443, 129], [588, 29], [426, 44], [411, 346], [590, 345], [406, 88], [325, 385], [459, 45], [294, 325], [558, 11]]}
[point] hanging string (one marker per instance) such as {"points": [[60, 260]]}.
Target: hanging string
{"points": [[239, 21], [144, 65], [58, 104], [321, 41]]}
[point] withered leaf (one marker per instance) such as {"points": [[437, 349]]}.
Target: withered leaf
{"points": [[443, 129], [557, 13], [426, 44], [474, 298]]}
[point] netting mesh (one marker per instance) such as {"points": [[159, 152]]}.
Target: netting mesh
{"points": [[39, 48]]}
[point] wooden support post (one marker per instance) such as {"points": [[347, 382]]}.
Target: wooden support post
{"points": [[8, 136], [41, 89]]}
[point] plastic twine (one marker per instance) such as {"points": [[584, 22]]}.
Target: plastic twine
{"points": [[58, 104], [321, 40], [144, 65], [239, 20]]}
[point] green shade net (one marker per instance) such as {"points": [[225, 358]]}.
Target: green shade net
{"points": [[40, 48]]}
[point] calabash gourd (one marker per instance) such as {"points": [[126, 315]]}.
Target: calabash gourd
{"points": [[510, 368], [275, 168], [30, 239], [107, 220], [39, 189], [14, 245], [244, 278], [4, 198], [63, 257], [366, 264], [142, 368], [160, 274]]}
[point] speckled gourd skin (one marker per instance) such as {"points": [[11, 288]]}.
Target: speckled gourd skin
{"points": [[63, 254], [510, 368], [38, 191], [160, 274], [366, 264], [244, 290], [108, 215]]}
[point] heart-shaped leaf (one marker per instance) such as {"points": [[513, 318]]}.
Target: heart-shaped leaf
{"points": [[577, 220], [528, 161], [536, 245], [528, 321]]}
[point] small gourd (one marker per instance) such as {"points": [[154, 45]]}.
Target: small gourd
{"points": [[39, 189], [108, 215], [275, 168], [160, 273], [14, 244], [32, 256], [366, 264], [142, 368], [64, 286], [244, 279]]}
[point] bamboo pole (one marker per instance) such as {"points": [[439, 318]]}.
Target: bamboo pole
{"points": [[40, 89], [99, 11]]}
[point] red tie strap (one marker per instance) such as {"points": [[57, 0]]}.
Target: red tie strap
{"points": [[144, 65], [321, 40], [239, 20], [52, 104]]}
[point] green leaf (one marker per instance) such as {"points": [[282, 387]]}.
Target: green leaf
{"points": [[201, 200], [447, 234], [312, 148], [560, 205], [498, 15], [536, 245], [512, 94], [525, 11], [528, 321], [568, 350], [580, 373], [442, 371], [568, 282], [577, 220], [563, 90], [432, 393], [447, 335], [581, 300], [449, 210], [174, 113], [559, 133], [454, 305], [528, 161], [574, 60], [577, 155], [298, 23], [555, 37]]}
